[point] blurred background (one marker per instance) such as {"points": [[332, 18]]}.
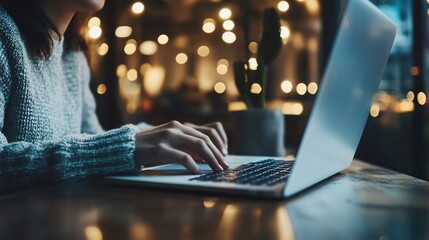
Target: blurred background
{"points": [[159, 60]]}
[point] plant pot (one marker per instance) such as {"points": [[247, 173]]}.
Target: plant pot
{"points": [[258, 132]]}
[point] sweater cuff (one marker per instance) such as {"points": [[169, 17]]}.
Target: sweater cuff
{"points": [[113, 149]]}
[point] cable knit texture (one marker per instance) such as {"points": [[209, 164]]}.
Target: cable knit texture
{"points": [[49, 130]]}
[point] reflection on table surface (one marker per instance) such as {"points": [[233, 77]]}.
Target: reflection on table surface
{"points": [[363, 202]]}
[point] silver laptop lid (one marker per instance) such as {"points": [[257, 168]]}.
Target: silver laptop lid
{"points": [[351, 80]]}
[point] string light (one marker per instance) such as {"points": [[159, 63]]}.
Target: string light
{"points": [[222, 69], [137, 8], [301, 88], [103, 49], [421, 98], [220, 87], [253, 47], [94, 22], [148, 48], [256, 88], [283, 6], [181, 58], [123, 31], [375, 110], [101, 89], [121, 71], [163, 39], [223, 62], [229, 37], [312, 88], [209, 25], [132, 75], [286, 86], [131, 47], [203, 51], [95, 32], [225, 13], [228, 25]]}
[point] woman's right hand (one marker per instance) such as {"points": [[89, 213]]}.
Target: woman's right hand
{"points": [[174, 142]]}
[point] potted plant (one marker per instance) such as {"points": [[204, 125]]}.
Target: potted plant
{"points": [[257, 130]]}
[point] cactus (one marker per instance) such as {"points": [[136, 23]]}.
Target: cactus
{"points": [[268, 49]]}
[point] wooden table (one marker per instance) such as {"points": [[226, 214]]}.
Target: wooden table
{"points": [[363, 202]]}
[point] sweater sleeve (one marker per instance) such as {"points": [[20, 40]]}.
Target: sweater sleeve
{"points": [[90, 123], [24, 164]]}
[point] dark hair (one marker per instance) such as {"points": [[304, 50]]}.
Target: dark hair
{"points": [[36, 27]]}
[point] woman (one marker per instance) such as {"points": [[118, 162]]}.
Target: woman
{"points": [[48, 128]]}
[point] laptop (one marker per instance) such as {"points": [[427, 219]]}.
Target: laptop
{"points": [[350, 82]]}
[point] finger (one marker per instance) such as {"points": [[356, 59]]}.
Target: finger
{"points": [[213, 148], [219, 128], [213, 135], [194, 145], [162, 153]]}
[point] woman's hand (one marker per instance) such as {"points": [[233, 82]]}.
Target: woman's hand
{"points": [[187, 144]]}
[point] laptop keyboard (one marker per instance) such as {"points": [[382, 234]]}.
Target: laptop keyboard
{"points": [[265, 172]]}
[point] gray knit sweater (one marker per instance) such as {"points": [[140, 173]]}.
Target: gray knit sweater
{"points": [[48, 128]]}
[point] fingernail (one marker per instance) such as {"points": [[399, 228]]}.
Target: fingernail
{"points": [[225, 151]]}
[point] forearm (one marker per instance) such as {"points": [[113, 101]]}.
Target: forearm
{"points": [[24, 164]]}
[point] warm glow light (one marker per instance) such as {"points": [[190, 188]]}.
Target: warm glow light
{"points": [[94, 22], [284, 32], [256, 88], [421, 98], [292, 108], [95, 32], [410, 96], [415, 71], [222, 69], [375, 110], [121, 71], [253, 47], [93, 233], [203, 51], [123, 31], [286, 86], [144, 68], [404, 106], [132, 75], [209, 203], [298, 41], [148, 48], [101, 89], [228, 25], [209, 25], [312, 88], [236, 106], [181, 58], [130, 47], [154, 80], [137, 8], [312, 6], [253, 64], [229, 37], [163, 39], [283, 6], [103, 49], [220, 87], [301, 88], [225, 13], [223, 62]]}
